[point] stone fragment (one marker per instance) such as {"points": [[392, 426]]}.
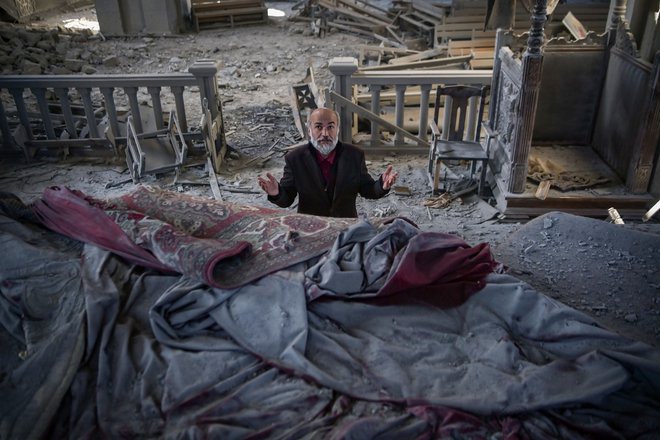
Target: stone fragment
{"points": [[631, 317], [74, 65], [88, 70], [111, 61], [30, 68]]}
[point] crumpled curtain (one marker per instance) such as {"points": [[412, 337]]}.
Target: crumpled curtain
{"points": [[359, 260], [366, 261]]}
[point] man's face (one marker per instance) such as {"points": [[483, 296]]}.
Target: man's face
{"points": [[323, 132]]}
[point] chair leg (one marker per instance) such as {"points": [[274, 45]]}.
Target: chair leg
{"points": [[482, 179], [436, 176]]}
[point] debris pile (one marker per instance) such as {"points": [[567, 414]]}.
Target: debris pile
{"points": [[400, 30], [33, 51], [436, 29]]}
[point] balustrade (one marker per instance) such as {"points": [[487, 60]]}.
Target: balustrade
{"points": [[100, 97], [348, 76]]}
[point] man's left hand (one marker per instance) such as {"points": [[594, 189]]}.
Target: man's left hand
{"points": [[389, 177]]}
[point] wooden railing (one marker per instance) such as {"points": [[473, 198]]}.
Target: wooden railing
{"points": [[81, 111], [347, 75]]}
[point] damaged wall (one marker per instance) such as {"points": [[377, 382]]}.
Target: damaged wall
{"points": [[131, 17], [23, 10]]}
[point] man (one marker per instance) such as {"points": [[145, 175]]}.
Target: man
{"points": [[325, 174]]}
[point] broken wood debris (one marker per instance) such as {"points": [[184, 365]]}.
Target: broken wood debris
{"points": [[354, 16], [223, 186], [213, 180], [541, 170], [402, 190], [614, 216], [543, 189], [118, 183], [651, 212], [443, 200], [263, 125], [406, 30]]}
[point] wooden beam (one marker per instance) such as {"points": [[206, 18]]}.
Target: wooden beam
{"points": [[425, 55], [375, 118], [426, 64], [213, 179]]}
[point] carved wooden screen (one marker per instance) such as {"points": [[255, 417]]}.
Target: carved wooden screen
{"points": [[570, 90], [504, 111], [626, 131]]}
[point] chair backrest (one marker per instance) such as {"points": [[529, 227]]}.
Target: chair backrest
{"points": [[463, 104]]}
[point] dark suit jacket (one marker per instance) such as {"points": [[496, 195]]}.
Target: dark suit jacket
{"points": [[303, 177]]}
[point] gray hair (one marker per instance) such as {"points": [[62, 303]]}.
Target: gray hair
{"points": [[309, 118]]}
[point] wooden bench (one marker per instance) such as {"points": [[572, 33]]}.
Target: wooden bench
{"points": [[228, 12], [462, 31]]}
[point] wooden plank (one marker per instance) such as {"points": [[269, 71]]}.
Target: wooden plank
{"points": [[213, 180], [543, 189], [438, 13], [528, 202], [225, 13], [466, 35], [461, 27], [373, 6], [225, 4], [424, 18], [379, 16], [431, 53], [483, 63], [651, 212], [352, 14], [584, 8], [196, 3], [365, 26], [470, 44], [383, 49], [424, 64], [350, 29], [375, 118], [417, 24]]}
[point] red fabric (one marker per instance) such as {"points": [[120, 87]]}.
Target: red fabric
{"points": [[326, 164], [440, 268], [220, 244], [452, 423], [69, 213]]}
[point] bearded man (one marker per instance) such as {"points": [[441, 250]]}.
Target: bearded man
{"points": [[325, 174]]}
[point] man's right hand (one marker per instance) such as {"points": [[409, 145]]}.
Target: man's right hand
{"points": [[269, 184]]}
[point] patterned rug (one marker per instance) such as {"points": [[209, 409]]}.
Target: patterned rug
{"points": [[221, 244]]}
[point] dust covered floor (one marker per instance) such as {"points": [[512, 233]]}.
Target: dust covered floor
{"points": [[609, 271], [580, 182]]}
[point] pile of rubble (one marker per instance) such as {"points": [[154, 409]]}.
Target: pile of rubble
{"points": [[406, 32], [402, 25], [34, 50]]}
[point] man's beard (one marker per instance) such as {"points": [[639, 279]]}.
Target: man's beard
{"points": [[326, 145]]}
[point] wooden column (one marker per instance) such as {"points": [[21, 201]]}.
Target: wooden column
{"points": [[205, 71], [648, 136], [342, 68], [375, 109], [425, 90], [617, 13], [532, 63]]}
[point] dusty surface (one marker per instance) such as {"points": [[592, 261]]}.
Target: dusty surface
{"points": [[603, 271]]}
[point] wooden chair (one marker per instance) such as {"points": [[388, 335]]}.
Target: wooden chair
{"points": [[461, 130], [155, 152]]}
